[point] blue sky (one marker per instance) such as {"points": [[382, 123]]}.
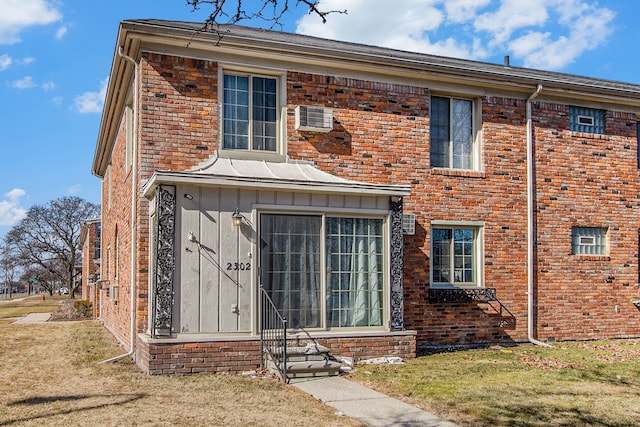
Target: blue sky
{"points": [[55, 58]]}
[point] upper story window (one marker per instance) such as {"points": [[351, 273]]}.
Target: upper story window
{"points": [[588, 241], [453, 134], [456, 255], [250, 113], [587, 120], [97, 242]]}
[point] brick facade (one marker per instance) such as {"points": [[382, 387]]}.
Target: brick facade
{"points": [[218, 356], [89, 242], [381, 135]]}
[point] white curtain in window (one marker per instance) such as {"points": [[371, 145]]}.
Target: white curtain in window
{"points": [[290, 262], [355, 272]]}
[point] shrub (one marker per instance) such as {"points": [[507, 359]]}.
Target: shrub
{"points": [[83, 308]]}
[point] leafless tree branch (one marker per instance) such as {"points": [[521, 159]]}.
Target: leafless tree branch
{"points": [[270, 11]]}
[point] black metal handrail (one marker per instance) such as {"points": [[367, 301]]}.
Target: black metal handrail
{"points": [[273, 335]]}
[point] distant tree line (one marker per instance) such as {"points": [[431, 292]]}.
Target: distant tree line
{"points": [[41, 251]]}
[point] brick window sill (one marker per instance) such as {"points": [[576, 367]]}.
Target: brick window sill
{"points": [[587, 135], [458, 172], [593, 257]]}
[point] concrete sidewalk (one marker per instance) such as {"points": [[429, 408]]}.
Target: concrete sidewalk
{"points": [[34, 318], [366, 405]]}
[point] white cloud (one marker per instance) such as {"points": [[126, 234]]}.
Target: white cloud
{"points": [[587, 27], [406, 25], [48, 85], [459, 11], [62, 31], [26, 61], [24, 83], [92, 102], [18, 15], [5, 61], [74, 189], [547, 34], [10, 210], [511, 16]]}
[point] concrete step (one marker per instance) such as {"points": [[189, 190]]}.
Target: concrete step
{"points": [[308, 352], [313, 368]]}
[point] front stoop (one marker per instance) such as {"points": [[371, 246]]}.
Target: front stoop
{"points": [[312, 360]]}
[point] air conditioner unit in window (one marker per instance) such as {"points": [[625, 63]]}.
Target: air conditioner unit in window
{"points": [[113, 293], [314, 119]]}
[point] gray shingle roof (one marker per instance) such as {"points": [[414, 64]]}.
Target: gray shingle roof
{"points": [[420, 61]]}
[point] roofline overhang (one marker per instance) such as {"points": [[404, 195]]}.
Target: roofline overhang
{"points": [[84, 229], [271, 184], [334, 55]]}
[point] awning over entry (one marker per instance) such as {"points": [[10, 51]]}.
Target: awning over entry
{"points": [[291, 176]]}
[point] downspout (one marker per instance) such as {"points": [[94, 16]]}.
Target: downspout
{"points": [[530, 223], [134, 210]]}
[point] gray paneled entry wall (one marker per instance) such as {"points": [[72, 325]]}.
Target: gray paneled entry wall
{"points": [[217, 261]]}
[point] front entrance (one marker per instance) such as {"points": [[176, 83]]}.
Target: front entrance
{"points": [[323, 271]]}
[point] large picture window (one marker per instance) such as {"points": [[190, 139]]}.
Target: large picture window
{"points": [[344, 287], [250, 113], [455, 256], [451, 124]]}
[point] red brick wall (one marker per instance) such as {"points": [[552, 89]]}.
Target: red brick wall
{"points": [[116, 221], [589, 181], [382, 136], [89, 269], [243, 355]]}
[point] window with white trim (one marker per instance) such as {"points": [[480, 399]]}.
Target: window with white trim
{"points": [[589, 240], [452, 134], [250, 113], [586, 120], [456, 256]]}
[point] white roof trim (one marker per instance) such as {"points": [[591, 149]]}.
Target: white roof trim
{"points": [[255, 174]]}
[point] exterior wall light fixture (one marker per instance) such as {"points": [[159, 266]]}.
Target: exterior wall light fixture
{"points": [[237, 217]]}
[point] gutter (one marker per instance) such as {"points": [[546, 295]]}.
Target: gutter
{"points": [[134, 205], [530, 223]]}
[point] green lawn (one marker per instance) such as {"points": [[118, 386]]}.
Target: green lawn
{"points": [[21, 306], [578, 383]]}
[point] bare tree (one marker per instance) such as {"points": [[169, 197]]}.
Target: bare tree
{"points": [[271, 11], [46, 278], [9, 265], [48, 237]]}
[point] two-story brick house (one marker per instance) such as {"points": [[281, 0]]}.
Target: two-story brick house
{"points": [[385, 200]]}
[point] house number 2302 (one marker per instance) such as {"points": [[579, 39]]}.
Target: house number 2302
{"points": [[235, 266]]}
